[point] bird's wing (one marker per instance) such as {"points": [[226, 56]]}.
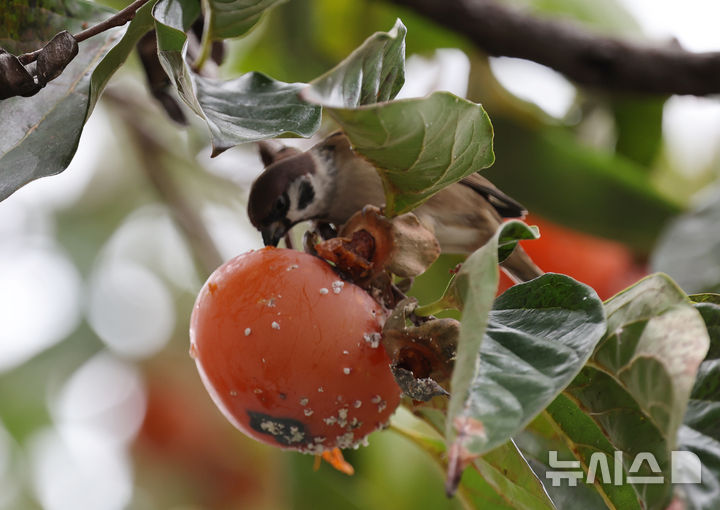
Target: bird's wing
{"points": [[507, 207]]}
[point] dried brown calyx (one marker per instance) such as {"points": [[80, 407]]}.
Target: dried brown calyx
{"points": [[369, 243], [422, 355]]}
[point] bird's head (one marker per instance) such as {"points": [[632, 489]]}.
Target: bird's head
{"points": [[288, 191]]}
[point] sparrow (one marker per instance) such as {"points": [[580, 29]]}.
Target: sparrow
{"points": [[330, 182]]}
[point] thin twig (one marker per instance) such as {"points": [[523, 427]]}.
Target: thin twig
{"points": [[116, 20], [587, 58]]}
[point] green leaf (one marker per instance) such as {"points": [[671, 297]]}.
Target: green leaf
{"points": [[507, 471], [701, 433], [539, 336], [249, 108], [373, 73], [688, 248], [586, 439], [638, 382], [421, 145], [41, 133], [232, 18], [564, 429], [705, 495], [473, 291]]}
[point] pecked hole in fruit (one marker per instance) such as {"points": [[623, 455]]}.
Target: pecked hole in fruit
{"points": [[415, 361]]}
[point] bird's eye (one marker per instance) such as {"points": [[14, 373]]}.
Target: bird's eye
{"points": [[280, 204]]}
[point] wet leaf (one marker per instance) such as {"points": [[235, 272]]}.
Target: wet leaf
{"points": [[249, 108], [421, 145], [539, 336], [637, 384], [373, 73], [232, 18], [41, 133]]}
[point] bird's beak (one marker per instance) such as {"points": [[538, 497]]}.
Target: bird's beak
{"points": [[273, 233]]}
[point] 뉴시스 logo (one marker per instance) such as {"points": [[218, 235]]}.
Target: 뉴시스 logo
{"points": [[685, 468]]}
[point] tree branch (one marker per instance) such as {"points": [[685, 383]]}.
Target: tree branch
{"points": [[586, 58], [116, 20]]}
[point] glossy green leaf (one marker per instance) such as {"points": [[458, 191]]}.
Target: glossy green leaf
{"points": [[701, 433], [249, 108], [689, 248], [41, 132], [419, 145], [473, 291], [539, 336], [592, 448], [555, 176], [637, 384], [373, 73], [507, 471], [501, 479], [706, 494], [232, 18], [543, 435]]}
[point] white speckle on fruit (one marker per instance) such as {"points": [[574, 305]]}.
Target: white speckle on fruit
{"points": [[272, 428], [304, 401], [290, 268], [342, 414], [308, 412], [373, 339], [320, 389], [320, 439], [346, 352], [337, 286], [295, 435], [257, 391], [233, 393], [275, 325], [346, 371], [346, 440], [381, 406], [357, 404], [324, 291], [270, 302], [263, 360], [376, 399], [248, 331], [331, 420]]}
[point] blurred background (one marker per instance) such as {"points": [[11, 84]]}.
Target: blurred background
{"points": [[100, 405]]}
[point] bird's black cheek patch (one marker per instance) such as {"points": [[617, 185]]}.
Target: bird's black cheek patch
{"points": [[286, 431], [307, 194]]}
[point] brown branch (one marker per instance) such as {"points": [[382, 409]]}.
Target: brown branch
{"points": [[588, 59], [116, 20]]}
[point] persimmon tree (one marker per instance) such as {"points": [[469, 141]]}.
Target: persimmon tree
{"points": [[544, 373]]}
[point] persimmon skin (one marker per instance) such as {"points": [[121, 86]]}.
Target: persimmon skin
{"points": [[290, 353]]}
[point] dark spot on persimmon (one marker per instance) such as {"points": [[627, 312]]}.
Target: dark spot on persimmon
{"points": [[286, 431]]}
